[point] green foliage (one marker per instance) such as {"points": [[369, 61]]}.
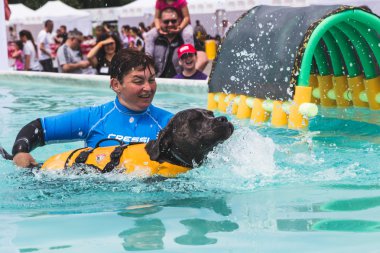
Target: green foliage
{"points": [[79, 4]]}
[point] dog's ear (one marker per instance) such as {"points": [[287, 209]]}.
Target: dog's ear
{"points": [[161, 145]]}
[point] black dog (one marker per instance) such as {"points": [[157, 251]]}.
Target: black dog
{"points": [[189, 136]]}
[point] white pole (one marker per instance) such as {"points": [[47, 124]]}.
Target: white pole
{"points": [[3, 39]]}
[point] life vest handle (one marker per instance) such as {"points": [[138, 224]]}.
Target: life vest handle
{"points": [[69, 157], [103, 140]]}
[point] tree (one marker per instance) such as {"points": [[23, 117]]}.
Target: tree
{"points": [[79, 4]]}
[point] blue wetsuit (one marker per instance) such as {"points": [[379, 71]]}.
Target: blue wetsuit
{"points": [[108, 121]]}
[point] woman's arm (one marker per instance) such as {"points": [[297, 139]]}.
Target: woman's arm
{"points": [[29, 137], [69, 126], [186, 18], [157, 23], [91, 56], [16, 54], [68, 67], [27, 62]]}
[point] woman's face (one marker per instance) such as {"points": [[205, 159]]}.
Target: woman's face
{"points": [[138, 89], [110, 48], [23, 39]]}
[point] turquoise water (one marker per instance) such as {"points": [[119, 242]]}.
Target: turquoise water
{"points": [[264, 190]]}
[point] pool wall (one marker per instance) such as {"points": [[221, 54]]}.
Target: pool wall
{"points": [[164, 84]]}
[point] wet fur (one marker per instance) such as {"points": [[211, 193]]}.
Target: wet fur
{"points": [[189, 136]]}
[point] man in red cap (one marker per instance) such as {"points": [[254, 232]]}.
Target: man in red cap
{"points": [[187, 56]]}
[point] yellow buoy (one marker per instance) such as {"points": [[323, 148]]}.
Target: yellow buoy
{"points": [[235, 104], [313, 82], [222, 105], [340, 87], [211, 103], [229, 102], [296, 119], [258, 115], [243, 111], [356, 86], [279, 117], [325, 85], [372, 87], [210, 48]]}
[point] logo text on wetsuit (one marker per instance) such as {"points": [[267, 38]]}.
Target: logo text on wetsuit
{"points": [[128, 138]]}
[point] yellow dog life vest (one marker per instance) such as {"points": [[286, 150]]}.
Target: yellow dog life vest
{"points": [[133, 159]]}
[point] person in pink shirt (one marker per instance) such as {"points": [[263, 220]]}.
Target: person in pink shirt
{"points": [[18, 55], [184, 27]]}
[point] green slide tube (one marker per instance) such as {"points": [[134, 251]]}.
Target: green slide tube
{"points": [[321, 61], [371, 20], [344, 45], [335, 56], [370, 36], [362, 49]]}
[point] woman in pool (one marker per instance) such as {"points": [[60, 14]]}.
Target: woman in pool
{"points": [[129, 118]]}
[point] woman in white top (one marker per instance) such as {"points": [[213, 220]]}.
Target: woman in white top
{"points": [[30, 51]]}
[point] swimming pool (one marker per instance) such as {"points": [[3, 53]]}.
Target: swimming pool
{"points": [[264, 190]]}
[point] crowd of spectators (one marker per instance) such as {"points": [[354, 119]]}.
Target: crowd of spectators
{"points": [[176, 45]]}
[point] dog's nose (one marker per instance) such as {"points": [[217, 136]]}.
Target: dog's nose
{"points": [[222, 119]]}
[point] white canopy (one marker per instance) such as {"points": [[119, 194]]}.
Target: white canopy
{"points": [[62, 14], [373, 5], [23, 15], [104, 14], [138, 8]]}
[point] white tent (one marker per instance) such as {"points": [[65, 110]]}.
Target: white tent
{"points": [[373, 5], [138, 11], [98, 15], [23, 17], [138, 8], [20, 14], [62, 14]]}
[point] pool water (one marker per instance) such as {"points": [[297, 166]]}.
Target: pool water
{"points": [[263, 190]]}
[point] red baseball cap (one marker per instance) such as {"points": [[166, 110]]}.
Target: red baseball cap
{"points": [[186, 49]]}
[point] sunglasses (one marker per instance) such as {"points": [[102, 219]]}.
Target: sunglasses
{"points": [[166, 22], [187, 55]]}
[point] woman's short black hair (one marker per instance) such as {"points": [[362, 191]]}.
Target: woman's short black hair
{"points": [[127, 60]]}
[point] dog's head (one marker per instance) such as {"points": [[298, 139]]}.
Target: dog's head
{"points": [[189, 136]]}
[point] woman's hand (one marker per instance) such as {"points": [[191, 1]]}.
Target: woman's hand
{"points": [[105, 42], [176, 30], [24, 160], [160, 31]]}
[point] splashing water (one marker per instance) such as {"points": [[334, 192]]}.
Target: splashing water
{"points": [[246, 153]]}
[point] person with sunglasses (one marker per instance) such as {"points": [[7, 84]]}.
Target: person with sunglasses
{"points": [[187, 55], [166, 45], [183, 28], [69, 56]]}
